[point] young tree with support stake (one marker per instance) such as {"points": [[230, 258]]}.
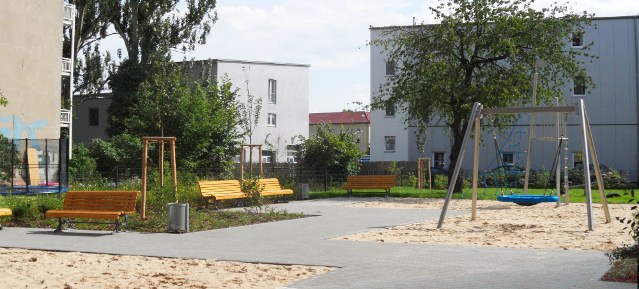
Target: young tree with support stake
{"points": [[482, 51]]}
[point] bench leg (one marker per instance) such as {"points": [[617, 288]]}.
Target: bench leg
{"points": [[117, 226], [350, 193], [59, 229], [215, 204], [387, 194], [0, 227]]}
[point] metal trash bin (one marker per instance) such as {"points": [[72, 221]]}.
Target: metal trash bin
{"points": [[177, 218], [302, 191]]}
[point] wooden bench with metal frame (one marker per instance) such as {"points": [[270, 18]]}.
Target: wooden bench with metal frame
{"points": [[220, 190], [381, 182], [5, 212], [108, 205], [271, 187]]}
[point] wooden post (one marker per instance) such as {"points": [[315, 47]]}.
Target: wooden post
{"points": [[161, 163], [586, 163], [595, 161], [174, 167], [241, 162], [259, 147], [145, 145], [475, 167]]}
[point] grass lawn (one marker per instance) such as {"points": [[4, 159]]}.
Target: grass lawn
{"points": [[576, 195]]}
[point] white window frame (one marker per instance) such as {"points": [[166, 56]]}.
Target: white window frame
{"points": [[387, 140], [390, 68], [272, 91], [579, 81], [389, 112], [577, 35], [272, 119], [512, 156]]}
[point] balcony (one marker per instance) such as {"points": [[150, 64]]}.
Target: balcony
{"points": [[68, 14], [65, 118], [66, 66]]}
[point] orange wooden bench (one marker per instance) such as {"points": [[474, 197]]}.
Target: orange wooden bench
{"points": [[271, 187], [5, 212], [220, 190], [381, 182], [109, 205]]}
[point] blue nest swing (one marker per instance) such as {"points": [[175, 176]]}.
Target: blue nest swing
{"points": [[527, 200]]}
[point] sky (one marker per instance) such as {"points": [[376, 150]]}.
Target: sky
{"points": [[331, 36]]}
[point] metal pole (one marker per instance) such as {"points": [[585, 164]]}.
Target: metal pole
{"points": [[558, 159], [476, 113], [586, 163]]}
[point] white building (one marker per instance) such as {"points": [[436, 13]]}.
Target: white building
{"points": [[612, 107], [283, 88]]}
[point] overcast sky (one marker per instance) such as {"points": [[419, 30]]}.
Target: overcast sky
{"points": [[331, 36]]}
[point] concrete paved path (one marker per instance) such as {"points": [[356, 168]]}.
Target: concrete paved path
{"points": [[358, 264]]}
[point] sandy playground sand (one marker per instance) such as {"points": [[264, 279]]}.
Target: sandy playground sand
{"points": [[505, 225], [498, 224], [40, 269]]}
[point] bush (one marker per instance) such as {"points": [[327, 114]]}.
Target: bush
{"points": [[252, 188], [440, 182]]}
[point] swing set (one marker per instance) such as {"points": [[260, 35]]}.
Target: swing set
{"points": [[588, 151]]}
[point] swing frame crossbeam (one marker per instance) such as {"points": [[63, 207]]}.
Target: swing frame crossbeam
{"points": [[474, 123]]}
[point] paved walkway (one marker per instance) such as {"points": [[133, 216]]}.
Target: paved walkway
{"points": [[359, 264]]}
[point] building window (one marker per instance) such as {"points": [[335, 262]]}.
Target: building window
{"points": [[508, 158], [390, 110], [291, 151], [577, 159], [578, 39], [390, 68], [267, 157], [94, 116], [579, 86], [272, 119], [272, 91], [439, 160], [390, 143]]}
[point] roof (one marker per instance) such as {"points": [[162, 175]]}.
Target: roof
{"points": [[247, 62], [347, 117]]}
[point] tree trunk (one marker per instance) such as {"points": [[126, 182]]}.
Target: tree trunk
{"points": [[458, 128]]}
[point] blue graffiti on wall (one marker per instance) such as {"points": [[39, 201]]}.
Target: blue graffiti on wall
{"points": [[20, 128]]}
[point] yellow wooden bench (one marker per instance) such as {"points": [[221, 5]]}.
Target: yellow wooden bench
{"points": [[271, 187], [220, 190], [109, 205], [381, 182], [5, 212]]}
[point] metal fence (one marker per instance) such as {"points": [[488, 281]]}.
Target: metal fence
{"points": [[30, 166], [289, 174]]}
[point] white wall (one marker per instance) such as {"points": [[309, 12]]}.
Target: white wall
{"points": [[30, 68]]}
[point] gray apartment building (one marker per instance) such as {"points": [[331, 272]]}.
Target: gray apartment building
{"points": [[612, 107]]}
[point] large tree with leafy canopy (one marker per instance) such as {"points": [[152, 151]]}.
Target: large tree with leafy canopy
{"points": [[150, 30], [481, 51]]}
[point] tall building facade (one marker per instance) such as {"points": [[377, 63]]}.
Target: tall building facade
{"points": [[612, 107]]}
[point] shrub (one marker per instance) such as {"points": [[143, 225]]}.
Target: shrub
{"points": [[632, 223], [440, 182], [252, 188]]}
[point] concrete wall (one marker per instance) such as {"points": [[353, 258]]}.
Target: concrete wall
{"points": [[30, 68], [612, 107]]}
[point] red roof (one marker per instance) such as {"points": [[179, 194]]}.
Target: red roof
{"points": [[349, 117]]}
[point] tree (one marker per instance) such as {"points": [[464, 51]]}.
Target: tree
{"points": [[330, 152], [150, 30], [482, 51], [249, 111]]}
